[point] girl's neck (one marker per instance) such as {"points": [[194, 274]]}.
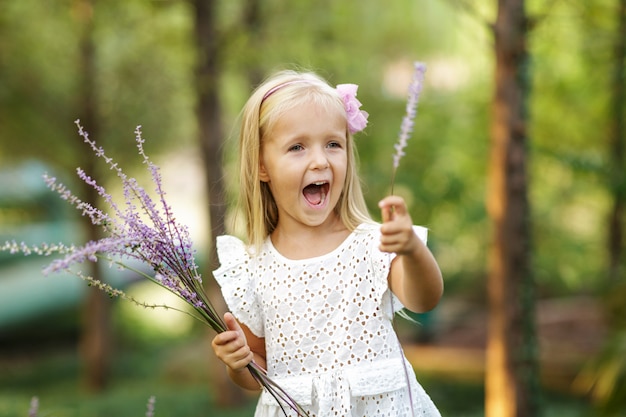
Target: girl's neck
{"points": [[308, 242]]}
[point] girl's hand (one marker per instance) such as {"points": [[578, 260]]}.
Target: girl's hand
{"points": [[231, 346], [397, 233], [414, 276]]}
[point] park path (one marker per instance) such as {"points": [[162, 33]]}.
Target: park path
{"points": [[570, 331]]}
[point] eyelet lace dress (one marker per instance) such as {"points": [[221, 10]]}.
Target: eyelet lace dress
{"points": [[327, 324]]}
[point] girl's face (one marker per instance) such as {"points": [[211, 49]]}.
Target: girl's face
{"points": [[304, 161]]}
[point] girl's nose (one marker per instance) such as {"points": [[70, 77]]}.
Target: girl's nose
{"points": [[319, 159]]}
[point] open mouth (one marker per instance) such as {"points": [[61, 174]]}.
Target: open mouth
{"points": [[315, 194]]}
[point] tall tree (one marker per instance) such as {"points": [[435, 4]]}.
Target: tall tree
{"points": [[611, 371], [511, 345], [252, 24], [209, 113], [617, 150], [95, 334]]}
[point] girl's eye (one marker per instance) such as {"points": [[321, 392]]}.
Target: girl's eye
{"points": [[334, 145], [295, 148]]}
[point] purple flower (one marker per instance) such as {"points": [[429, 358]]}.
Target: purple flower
{"points": [[34, 407], [147, 231], [406, 128], [150, 407]]}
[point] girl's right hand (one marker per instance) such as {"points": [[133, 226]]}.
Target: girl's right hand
{"points": [[231, 346]]}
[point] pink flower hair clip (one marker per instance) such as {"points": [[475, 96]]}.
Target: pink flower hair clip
{"points": [[357, 119]]}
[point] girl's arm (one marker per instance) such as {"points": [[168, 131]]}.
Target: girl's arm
{"points": [[414, 277], [237, 347]]}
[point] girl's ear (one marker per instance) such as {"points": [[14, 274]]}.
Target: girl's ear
{"points": [[263, 175]]}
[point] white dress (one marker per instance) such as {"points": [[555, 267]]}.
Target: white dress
{"points": [[327, 324]]}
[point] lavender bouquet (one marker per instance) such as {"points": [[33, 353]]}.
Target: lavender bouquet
{"points": [[142, 230]]}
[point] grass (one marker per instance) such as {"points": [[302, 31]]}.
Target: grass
{"points": [[136, 375], [175, 375]]}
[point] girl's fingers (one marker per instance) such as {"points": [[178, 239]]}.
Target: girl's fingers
{"points": [[240, 363], [387, 214], [224, 337], [392, 207], [232, 334], [387, 210], [231, 322]]}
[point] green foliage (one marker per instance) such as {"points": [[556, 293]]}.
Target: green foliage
{"points": [[145, 61], [173, 376], [144, 75], [37, 69], [146, 326], [136, 377], [569, 194]]}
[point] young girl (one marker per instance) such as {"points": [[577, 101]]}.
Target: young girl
{"points": [[314, 290]]}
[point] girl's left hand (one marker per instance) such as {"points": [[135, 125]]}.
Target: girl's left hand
{"points": [[397, 233]]}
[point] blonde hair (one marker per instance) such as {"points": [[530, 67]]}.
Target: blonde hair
{"points": [[266, 105]]}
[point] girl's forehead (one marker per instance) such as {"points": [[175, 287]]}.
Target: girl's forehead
{"points": [[310, 115], [312, 107]]}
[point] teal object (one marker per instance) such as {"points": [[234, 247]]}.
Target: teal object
{"points": [[26, 293], [33, 214]]}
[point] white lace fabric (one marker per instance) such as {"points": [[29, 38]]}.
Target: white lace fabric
{"points": [[327, 324]]}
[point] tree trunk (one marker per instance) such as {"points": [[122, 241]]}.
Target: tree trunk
{"points": [[617, 152], [95, 334], [210, 137], [511, 381], [252, 25]]}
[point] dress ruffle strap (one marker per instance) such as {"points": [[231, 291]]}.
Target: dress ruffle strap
{"points": [[381, 263], [236, 281]]}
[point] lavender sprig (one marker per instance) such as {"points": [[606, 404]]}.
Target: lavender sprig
{"points": [[150, 407], [406, 127], [34, 407], [145, 231]]}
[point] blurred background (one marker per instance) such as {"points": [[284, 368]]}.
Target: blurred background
{"points": [[183, 70]]}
